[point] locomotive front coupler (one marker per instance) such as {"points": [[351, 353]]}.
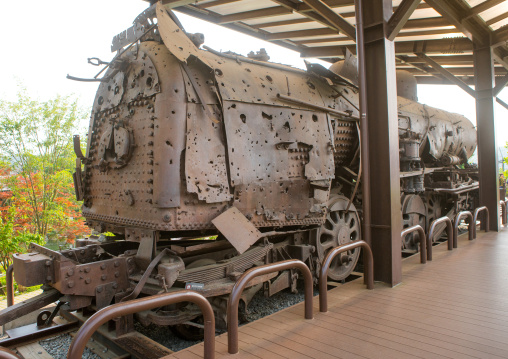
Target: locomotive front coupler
{"points": [[93, 271]]}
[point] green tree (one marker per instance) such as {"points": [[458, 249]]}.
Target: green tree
{"points": [[36, 142], [12, 242]]}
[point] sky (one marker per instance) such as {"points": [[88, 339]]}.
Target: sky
{"points": [[43, 41]]}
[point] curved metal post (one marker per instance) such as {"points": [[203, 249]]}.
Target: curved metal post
{"points": [[475, 217], [449, 233], [7, 354], [9, 283], [234, 297], [323, 275], [470, 226], [139, 305], [423, 240], [503, 212]]}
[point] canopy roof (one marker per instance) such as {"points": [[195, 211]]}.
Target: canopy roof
{"points": [[428, 35]]}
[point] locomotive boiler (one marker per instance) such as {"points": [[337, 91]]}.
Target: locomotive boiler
{"points": [[187, 143]]}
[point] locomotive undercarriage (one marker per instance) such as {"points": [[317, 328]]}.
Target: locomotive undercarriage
{"points": [[96, 274]]}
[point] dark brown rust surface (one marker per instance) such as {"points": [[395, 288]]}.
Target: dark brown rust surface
{"points": [[484, 222], [243, 281], [120, 309], [323, 276], [423, 240], [431, 234], [470, 226]]}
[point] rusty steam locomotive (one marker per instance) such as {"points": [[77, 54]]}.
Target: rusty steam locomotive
{"points": [[186, 143]]}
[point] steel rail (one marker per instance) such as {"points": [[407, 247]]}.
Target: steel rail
{"points": [[138, 305], [323, 275], [486, 219], [470, 226], [7, 354], [245, 278], [503, 212], [423, 240], [449, 233], [9, 283]]}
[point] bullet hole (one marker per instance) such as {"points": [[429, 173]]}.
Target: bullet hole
{"points": [[109, 88], [267, 116], [247, 69], [314, 118], [176, 90], [218, 72], [149, 81], [142, 73], [100, 100], [168, 143], [243, 118], [311, 85], [269, 78], [117, 90], [233, 105]]}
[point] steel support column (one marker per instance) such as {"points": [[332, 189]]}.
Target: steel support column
{"points": [[383, 140], [486, 131]]}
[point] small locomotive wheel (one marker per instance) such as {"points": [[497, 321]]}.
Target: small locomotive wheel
{"points": [[339, 228]]}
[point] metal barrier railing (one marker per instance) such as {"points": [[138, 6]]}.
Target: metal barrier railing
{"points": [[323, 275], [470, 226], [475, 217], [503, 212], [9, 283], [234, 298], [7, 354], [449, 233], [138, 305], [423, 240]]}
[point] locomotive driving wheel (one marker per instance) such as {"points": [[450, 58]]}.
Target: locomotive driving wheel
{"points": [[413, 213], [340, 227]]}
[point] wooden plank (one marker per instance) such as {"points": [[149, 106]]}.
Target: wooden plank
{"points": [[33, 351]]}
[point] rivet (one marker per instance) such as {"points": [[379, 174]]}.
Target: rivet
{"points": [[87, 280], [70, 284]]}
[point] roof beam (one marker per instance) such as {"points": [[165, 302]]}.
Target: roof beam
{"points": [[456, 12], [446, 74], [325, 11], [484, 6], [401, 35], [255, 14], [441, 46], [502, 103], [497, 19], [400, 17], [500, 36], [500, 85], [310, 16]]}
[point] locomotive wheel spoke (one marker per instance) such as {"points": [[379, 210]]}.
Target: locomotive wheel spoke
{"points": [[339, 228]]}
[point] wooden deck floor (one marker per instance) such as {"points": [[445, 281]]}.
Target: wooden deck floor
{"points": [[453, 307]]}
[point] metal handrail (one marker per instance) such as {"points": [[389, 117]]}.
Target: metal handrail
{"points": [[245, 278], [475, 217], [470, 226], [7, 354], [503, 212], [9, 283], [423, 240], [138, 305], [449, 233], [323, 275]]}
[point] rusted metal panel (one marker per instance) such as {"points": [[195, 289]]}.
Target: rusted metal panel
{"points": [[205, 157], [174, 38], [270, 143], [237, 229], [254, 83]]}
